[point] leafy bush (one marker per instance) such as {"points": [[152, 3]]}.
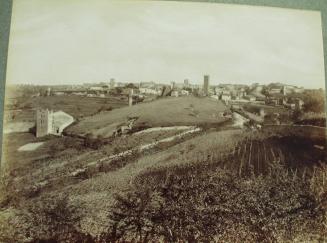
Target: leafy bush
{"points": [[65, 143], [93, 143], [202, 203], [104, 108], [314, 101], [49, 219]]}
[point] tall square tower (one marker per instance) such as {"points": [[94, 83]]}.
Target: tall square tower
{"points": [[44, 122], [206, 85]]}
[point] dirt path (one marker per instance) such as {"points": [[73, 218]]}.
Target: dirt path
{"points": [[295, 125], [163, 129], [30, 146], [143, 147]]}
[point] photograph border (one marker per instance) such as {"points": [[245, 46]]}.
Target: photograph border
{"points": [[5, 18]]}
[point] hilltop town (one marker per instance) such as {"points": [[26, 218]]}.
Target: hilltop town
{"points": [[275, 103]]}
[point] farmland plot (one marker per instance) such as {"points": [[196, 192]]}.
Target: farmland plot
{"points": [[256, 155]]}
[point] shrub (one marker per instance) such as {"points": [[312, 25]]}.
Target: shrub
{"points": [[49, 219], [199, 203], [64, 143], [93, 143]]}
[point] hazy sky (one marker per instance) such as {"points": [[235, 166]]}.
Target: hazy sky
{"points": [[76, 41]]}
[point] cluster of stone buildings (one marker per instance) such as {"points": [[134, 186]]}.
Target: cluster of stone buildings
{"points": [[274, 96], [49, 122]]}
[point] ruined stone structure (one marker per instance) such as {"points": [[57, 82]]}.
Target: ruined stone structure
{"points": [[49, 122], [44, 122]]}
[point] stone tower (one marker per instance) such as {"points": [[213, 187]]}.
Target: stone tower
{"points": [[206, 85], [44, 122]]}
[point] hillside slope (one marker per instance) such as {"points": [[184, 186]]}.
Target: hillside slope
{"points": [[159, 113]]}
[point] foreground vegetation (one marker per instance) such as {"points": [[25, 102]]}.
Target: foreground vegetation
{"points": [[211, 187], [198, 202], [203, 203]]}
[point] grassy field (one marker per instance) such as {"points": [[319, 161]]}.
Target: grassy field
{"points": [[21, 161], [159, 113], [78, 107]]}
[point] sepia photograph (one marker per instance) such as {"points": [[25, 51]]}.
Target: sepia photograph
{"points": [[163, 121]]}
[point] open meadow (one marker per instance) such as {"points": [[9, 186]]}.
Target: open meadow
{"points": [[23, 109]]}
